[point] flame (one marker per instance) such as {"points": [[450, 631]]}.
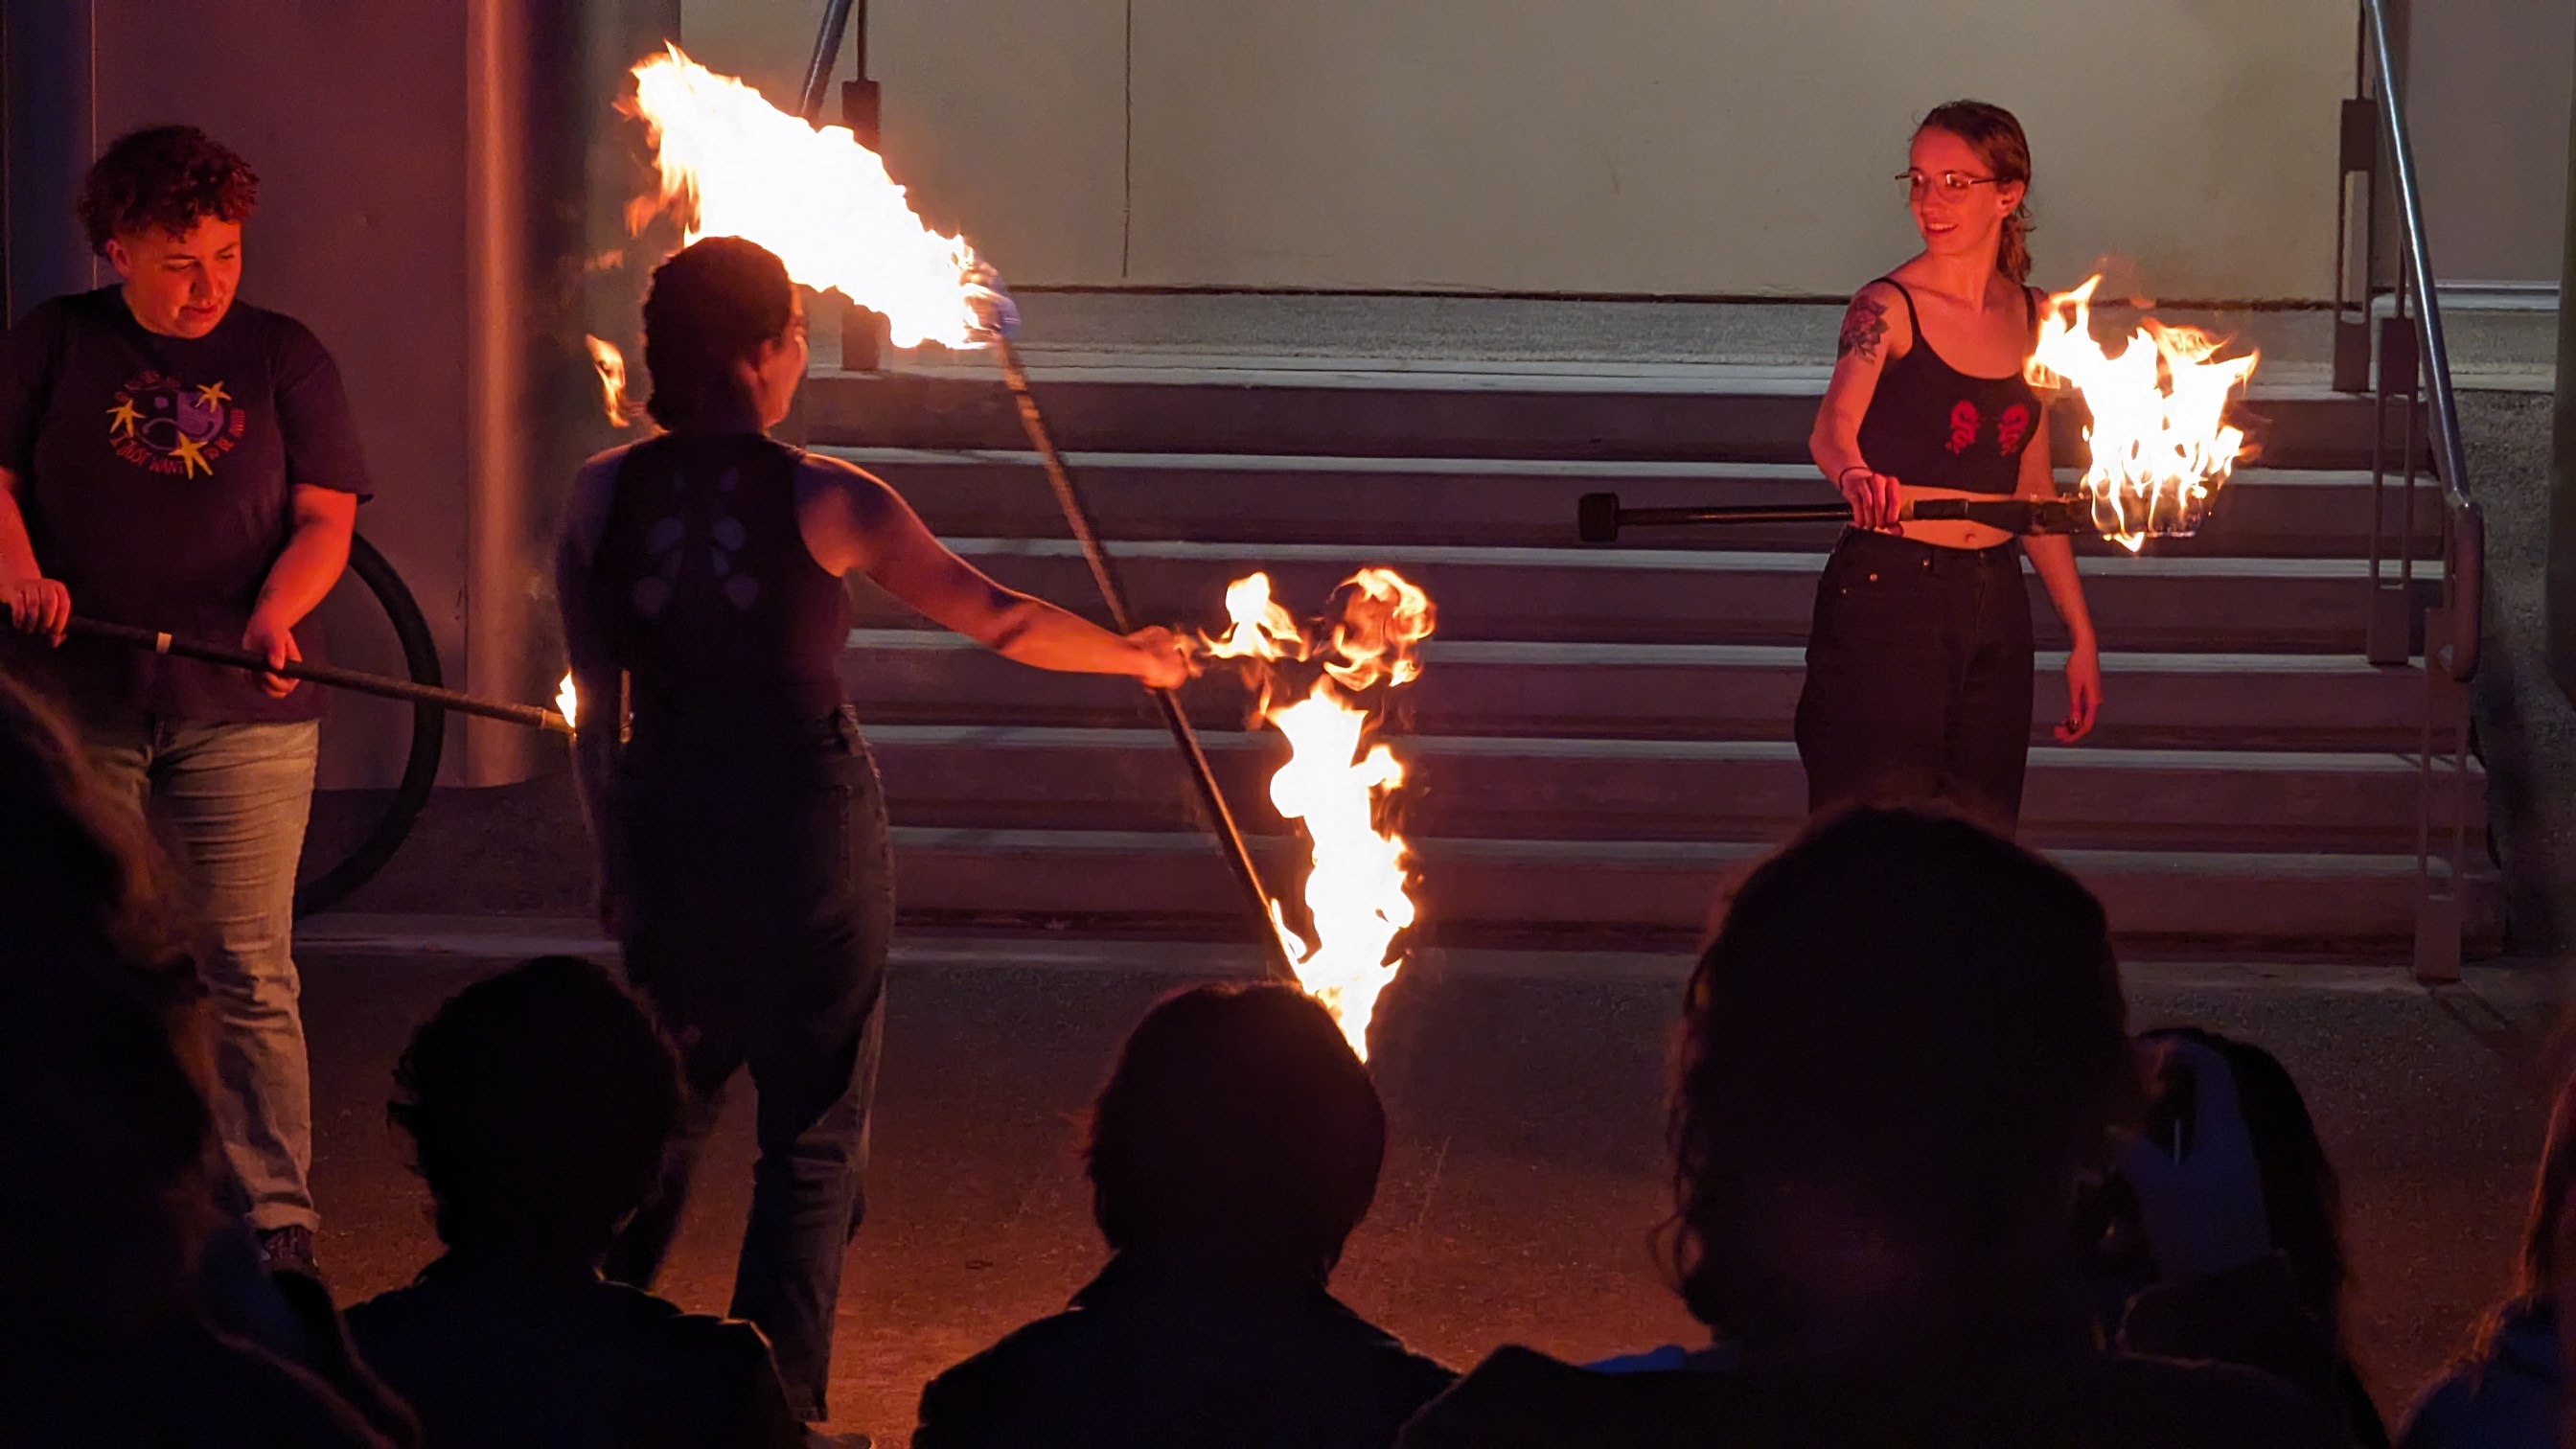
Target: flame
{"points": [[732, 164], [568, 702], [1336, 780], [1261, 629], [611, 364], [2161, 441]]}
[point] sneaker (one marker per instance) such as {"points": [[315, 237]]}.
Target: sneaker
{"points": [[289, 1250]]}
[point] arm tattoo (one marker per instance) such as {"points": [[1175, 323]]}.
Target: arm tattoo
{"points": [[1863, 326]]}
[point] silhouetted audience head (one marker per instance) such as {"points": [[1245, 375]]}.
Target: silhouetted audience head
{"points": [[539, 1103], [108, 1158], [1237, 1128], [2302, 1199], [1898, 1055]]}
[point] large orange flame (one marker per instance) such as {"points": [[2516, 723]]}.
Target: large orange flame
{"points": [[611, 366], [1337, 780], [2161, 440], [732, 164]]}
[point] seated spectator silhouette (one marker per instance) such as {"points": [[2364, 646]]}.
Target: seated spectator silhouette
{"points": [[539, 1103], [132, 1309], [1234, 1149], [2508, 1390], [2301, 1211], [1901, 1055]]}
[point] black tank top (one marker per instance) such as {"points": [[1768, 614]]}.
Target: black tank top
{"points": [[709, 597], [1930, 425]]}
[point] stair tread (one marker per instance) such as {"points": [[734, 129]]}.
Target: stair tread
{"points": [[1653, 852], [1637, 560], [1182, 371], [1013, 736], [1572, 653], [1607, 470]]}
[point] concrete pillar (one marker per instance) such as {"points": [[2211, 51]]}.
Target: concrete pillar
{"points": [[548, 175], [47, 82]]}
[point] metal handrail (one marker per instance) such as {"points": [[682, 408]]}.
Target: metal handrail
{"points": [[2464, 560]]}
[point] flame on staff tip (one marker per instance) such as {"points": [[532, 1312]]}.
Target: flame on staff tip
{"points": [[568, 702], [611, 365], [2161, 441], [732, 164], [1336, 780]]}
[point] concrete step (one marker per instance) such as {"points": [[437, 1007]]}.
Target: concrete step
{"points": [[1504, 788], [1645, 595], [1566, 892], [1244, 497], [1675, 691], [1759, 415]]}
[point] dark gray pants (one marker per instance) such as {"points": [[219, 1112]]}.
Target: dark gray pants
{"points": [[759, 899], [1918, 683]]}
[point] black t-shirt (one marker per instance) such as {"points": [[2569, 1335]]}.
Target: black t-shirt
{"points": [[156, 475]]}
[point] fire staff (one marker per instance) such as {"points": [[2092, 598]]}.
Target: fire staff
{"points": [[1919, 669], [174, 459], [741, 830]]}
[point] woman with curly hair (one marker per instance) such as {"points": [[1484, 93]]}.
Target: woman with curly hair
{"points": [[174, 459]]}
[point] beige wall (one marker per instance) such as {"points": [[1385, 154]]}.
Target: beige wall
{"points": [[2487, 96], [1572, 145]]}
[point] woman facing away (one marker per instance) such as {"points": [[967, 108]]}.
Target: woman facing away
{"points": [[1919, 657], [741, 828]]}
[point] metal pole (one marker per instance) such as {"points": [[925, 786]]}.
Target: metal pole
{"points": [[381, 685], [1078, 518], [2561, 584], [827, 48]]}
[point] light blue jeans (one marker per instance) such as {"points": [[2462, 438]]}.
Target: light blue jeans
{"points": [[232, 800]]}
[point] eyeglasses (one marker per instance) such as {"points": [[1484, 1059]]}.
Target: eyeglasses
{"points": [[1953, 184]]}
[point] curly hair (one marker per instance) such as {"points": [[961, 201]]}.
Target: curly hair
{"points": [[539, 1103], [1905, 1043], [164, 178]]}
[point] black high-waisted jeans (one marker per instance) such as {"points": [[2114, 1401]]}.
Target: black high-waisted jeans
{"points": [[1918, 679], [759, 901]]}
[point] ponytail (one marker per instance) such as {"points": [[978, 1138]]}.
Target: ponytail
{"points": [[2013, 257]]}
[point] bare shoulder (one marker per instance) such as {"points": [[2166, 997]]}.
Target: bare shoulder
{"points": [[1876, 326], [599, 469], [829, 483], [585, 514]]}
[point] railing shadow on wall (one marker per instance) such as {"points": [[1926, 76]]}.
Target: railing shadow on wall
{"points": [[2402, 362]]}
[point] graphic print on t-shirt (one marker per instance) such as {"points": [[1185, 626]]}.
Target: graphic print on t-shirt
{"points": [[168, 426]]}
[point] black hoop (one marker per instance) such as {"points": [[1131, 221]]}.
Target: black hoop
{"points": [[428, 738]]}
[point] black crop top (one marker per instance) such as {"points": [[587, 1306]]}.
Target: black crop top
{"points": [[1930, 425]]}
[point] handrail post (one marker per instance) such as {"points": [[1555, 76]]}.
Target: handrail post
{"points": [[2560, 589], [2453, 628]]}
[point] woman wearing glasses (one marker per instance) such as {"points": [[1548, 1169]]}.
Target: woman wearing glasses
{"points": [[1919, 658]]}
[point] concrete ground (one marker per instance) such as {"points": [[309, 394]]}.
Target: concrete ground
{"points": [[1525, 1180]]}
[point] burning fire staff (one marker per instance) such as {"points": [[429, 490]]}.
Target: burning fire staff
{"points": [[741, 830], [174, 459], [1919, 668]]}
